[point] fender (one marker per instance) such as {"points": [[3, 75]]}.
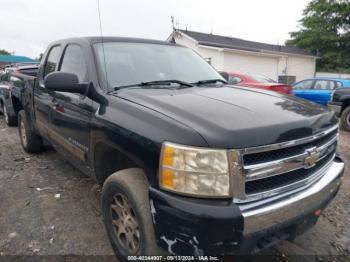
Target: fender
{"points": [[137, 132]]}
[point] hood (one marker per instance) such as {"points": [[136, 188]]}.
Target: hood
{"points": [[236, 117]]}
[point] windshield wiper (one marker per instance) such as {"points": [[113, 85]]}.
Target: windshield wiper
{"points": [[155, 83], [209, 81]]}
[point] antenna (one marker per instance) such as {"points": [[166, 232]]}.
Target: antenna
{"points": [[174, 23], [103, 45]]}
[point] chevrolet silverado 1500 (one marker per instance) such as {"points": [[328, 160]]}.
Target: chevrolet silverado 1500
{"points": [[188, 163]]}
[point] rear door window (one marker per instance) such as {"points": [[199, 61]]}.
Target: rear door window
{"points": [[332, 85], [323, 85], [338, 84], [74, 62]]}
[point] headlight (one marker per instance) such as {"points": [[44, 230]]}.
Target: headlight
{"points": [[194, 171]]}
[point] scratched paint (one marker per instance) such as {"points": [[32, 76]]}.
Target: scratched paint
{"points": [[153, 211]]}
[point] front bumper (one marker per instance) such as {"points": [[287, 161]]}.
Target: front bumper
{"points": [[335, 106], [216, 227]]}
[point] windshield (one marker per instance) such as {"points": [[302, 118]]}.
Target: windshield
{"points": [[261, 78], [133, 63]]}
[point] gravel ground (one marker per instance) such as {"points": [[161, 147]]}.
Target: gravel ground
{"points": [[49, 208]]}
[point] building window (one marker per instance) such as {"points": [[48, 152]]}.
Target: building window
{"points": [[286, 79]]}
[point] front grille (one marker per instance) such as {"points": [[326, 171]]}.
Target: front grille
{"points": [[268, 156], [275, 169], [274, 182]]}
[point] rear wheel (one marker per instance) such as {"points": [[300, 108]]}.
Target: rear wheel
{"points": [[345, 119], [127, 214], [10, 120], [31, 142]]}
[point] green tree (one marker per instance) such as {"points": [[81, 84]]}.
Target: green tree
{"points": [[324, 30], [40, 57], [4, 52]]}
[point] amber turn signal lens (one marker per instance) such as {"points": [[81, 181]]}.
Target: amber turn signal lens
{"points": [[167, 178], [168, 157]]}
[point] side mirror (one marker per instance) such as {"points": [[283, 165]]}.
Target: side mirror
{"points": [[64, 82], [224, 75]]}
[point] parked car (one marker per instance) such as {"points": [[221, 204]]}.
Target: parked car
{"points": [[319, 89], [30, 70], [188, 164], [340, 103], [258, 81], [16, 66], [12, 82]]}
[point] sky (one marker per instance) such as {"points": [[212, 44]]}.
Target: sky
{"points": [[27, 27]]}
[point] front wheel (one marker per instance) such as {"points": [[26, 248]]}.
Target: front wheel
{"points": [[345, 119], [31, 142], [127, 214]]}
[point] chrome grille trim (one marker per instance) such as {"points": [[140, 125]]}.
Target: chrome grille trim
{"points": [[259, 149], [236, 171], [245, 173], [272, 168], [292, 188]]}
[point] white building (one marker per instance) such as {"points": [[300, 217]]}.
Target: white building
{"points": [[236, 55]]}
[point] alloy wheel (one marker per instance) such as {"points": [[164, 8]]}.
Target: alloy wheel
{"points": [[125, 224]]}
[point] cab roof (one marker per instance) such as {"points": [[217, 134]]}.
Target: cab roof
{"points": [[105, 39]]}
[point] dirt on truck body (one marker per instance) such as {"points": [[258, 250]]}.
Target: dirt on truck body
{"points": [[34, 222]]}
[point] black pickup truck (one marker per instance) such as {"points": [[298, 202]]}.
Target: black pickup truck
{"points": [[340, 104], [12, 83], [189, 165]]}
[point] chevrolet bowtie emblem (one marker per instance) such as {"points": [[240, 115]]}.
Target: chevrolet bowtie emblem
{"points": [[312, 157]]}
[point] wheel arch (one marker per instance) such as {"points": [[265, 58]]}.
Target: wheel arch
{"points": [[17, 105], [346, 103], [1, 102], [108, 159]]}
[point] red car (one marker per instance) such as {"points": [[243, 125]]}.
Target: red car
{"points": [[258, 81]]}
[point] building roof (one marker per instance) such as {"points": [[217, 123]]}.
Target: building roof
{"points": [[240, 44], [15, 59]]}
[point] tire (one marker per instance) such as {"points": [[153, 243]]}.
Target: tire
{"points": [[10, 120], [31, 142], [345, 119], [129, 187]]}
